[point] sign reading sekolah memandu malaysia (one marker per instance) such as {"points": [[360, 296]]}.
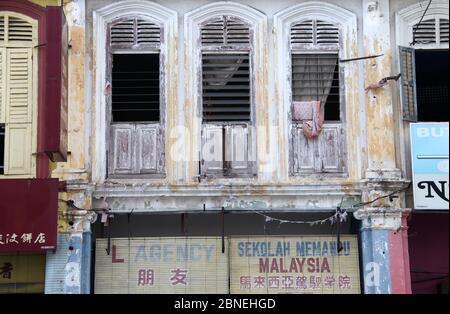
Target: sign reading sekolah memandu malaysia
{"points": [[257, 264], [429, 154], [308, 264]]}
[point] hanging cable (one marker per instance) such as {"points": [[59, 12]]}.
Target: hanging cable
{"points": [[418, 24]]}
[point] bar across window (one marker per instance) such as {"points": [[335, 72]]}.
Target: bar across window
{"points": [[226, 87], [135, 88]]}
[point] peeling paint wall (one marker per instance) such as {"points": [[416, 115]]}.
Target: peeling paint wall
{"points": [[373, 141]]}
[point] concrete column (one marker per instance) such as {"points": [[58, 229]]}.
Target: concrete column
{"points": [[384, 250], [379, 102]]}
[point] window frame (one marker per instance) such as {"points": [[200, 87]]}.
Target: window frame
{"points": [[341, 125], [31, 127], [228, 49], [162, 123]]}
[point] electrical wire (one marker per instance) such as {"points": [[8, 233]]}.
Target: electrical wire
{"points": [[418, 24]]}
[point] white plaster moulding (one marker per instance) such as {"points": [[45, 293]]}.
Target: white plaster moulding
{"points": [[220, 191], [161, 15]]}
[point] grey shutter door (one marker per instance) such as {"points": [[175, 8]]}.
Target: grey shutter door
{"points": [[331, 145], [55, 265], [121, 154], [303, 151], [147, 148], [408, 83], [212, 149], [239, 149], [323, 154]]}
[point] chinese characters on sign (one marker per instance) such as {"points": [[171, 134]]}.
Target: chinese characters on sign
{"points": [[6, 269], [24, 238], [161, 265], [309, 264]]}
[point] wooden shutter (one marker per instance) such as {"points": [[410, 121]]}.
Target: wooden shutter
{"points": [[121, 150], [212, 149], [443, 31], [225, 31], [19, 98], [239, 149], [323, 154], [425, 32], [2, 85], [408, 83], [235, 158], [130, 33], [303, 151], [332, 150], [302, 33], [147, 148], [2, 28], [315, 33], [136, 149], [19, 30]]}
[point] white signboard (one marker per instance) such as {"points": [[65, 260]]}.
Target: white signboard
{"points": [[429, 155]]}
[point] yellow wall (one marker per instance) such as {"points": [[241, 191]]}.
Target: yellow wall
{"points": [[48, 2]]}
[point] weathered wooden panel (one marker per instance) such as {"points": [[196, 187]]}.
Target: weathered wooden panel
{"points": [[329, 149], [147, 149], [227, 150], [212, 149], [238, 152], [324, 154], [18, 149], [303, 150], [122, 148]]}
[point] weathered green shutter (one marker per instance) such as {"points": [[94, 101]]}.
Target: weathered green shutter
{"points": [[408, 83]]}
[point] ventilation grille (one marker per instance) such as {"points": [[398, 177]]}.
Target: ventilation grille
{"points": [[132, 32], [226, 87], [425, 33], [225, 31], [314, 76], [315, 33], [2, 28], [443, 30], [14, 29]]}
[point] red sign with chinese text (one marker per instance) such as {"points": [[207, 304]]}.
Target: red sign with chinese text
{"points": [[28, 214]]}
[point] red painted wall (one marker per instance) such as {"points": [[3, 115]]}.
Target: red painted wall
{"points": [[428, 251]]}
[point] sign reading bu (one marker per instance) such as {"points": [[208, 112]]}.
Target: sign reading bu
{"points": [[28, 214], [429, 150]]}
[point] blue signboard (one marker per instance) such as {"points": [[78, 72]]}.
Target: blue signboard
{"points": [[430, 165]]}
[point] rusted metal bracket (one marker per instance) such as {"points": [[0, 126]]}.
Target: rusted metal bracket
{"points": [[360, 58]]}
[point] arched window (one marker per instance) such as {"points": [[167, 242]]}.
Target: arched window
{"points": [[315, 87], [136, 146]]}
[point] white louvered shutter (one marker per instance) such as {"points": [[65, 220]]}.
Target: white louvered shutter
{"points": [[425, 32], [314, 33], [443, 30], [19, 98], [225, 31], [134, 32]]}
